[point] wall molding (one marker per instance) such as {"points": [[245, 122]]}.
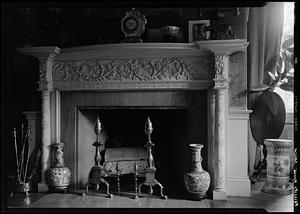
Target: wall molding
{"points": [[239, 186], [239, 114], [289, 118]]}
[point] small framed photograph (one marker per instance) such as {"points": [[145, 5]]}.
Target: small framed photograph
{"points": [[196, 30]]}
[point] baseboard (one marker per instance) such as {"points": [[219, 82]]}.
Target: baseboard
{"points": [[219, 195], [237, 186]]}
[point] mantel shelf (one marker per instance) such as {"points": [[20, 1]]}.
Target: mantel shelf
{"points": [[138, 49]]}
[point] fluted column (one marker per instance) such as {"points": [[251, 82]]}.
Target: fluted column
{"points": [[219, 144], [46, 137]]}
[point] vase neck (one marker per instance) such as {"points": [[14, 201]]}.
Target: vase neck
{"points": [[196, 164], [59, 157]]}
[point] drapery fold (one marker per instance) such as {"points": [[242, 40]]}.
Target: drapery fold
{"points": [[264, 33]]}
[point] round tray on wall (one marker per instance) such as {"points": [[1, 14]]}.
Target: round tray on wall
{"points": [[268, 117]]}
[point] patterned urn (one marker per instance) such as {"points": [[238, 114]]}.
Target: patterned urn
{"points": [[196, 181], [278, 167], [58, 177]]}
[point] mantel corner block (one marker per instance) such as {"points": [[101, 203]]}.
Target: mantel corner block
{"points": [[224, 47]]}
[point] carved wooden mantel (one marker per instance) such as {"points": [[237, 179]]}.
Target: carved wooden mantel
{"points": [[139, 66]]}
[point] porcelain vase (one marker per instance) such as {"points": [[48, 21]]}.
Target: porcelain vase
{"points": [[197, 180], [58, 177], [278, 167]]}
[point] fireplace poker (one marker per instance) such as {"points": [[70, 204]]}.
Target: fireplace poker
{"points": [[28, 150], [23, 149], [16, 150]]}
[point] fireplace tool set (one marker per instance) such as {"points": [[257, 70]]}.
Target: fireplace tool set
{"points": [[147, 170], [21, 183]]}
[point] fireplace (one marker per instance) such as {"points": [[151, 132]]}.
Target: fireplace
{"points": [[200, 87]]}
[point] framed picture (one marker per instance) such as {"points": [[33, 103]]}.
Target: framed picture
{"points": [[196, 30]]}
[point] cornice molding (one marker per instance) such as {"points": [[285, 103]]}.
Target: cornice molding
{"points": [[42, 53]]}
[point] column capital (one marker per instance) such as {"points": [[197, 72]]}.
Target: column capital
{"points": [[221, 72], [221, 84], [45, 85]]}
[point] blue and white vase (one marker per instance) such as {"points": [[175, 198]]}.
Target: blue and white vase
{"points": [[196, 181], [58, 177]]}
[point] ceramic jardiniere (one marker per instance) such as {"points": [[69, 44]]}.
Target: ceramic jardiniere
{"points": [[197, 180], [278, 167]]}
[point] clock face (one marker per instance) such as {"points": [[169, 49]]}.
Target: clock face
{"points": [[131, 24]]}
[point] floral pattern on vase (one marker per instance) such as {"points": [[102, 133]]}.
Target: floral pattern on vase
{"points": [[58, 177], [197, 181]]}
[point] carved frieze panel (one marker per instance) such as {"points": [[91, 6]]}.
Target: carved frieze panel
{"points": [[137, 69]]}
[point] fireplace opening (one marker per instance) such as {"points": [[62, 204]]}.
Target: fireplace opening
{"points": [[124, 127]]}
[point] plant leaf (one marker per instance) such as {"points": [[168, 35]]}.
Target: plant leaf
{"points": [[288, 42], [272, 75], [290, 72], [282, 67], [287, 87]]}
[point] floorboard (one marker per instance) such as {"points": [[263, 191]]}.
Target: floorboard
{"points": [[258, 199]]}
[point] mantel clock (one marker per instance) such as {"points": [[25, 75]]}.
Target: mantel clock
{"points": [[133, 26]]}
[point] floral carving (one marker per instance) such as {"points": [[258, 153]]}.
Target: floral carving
{"points": [[139, 69], [219, 66]]}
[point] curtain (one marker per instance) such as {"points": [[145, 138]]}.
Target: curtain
{"points": [[264, 32]]}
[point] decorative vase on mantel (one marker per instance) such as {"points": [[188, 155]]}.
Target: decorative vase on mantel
{"points": [[197, 180], [58, 177]]}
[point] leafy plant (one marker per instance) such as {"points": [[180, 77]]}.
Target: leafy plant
{"points": [[283, 75]]}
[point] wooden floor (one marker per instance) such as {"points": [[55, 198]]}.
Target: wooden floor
{"points": [[258, 199]]}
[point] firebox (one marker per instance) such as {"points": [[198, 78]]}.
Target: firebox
{"points": [[124, 127], [173, 114]]}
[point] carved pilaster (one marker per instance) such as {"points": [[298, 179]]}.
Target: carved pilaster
{"points": [[46, 137]]}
